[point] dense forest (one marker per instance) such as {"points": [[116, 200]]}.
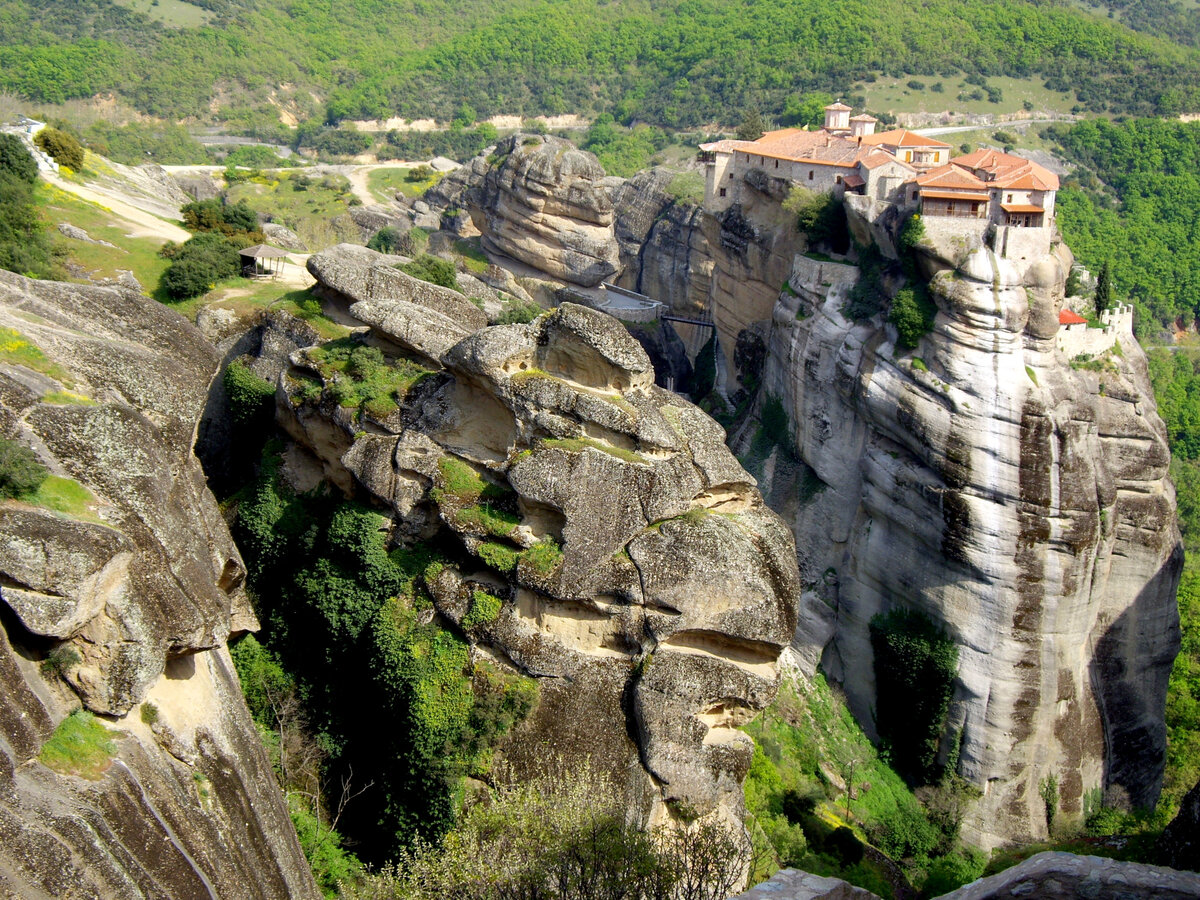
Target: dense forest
{"points": [[1133, 202], [674, 63]]}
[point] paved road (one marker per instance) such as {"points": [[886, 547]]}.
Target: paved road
{"points": [[1016, 123]]}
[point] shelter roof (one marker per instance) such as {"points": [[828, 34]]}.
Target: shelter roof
{"points": [[1067, 317], [263, 251]]}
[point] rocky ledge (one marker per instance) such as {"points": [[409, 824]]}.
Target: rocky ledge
{"points": [[120, 585], [634, 568]]}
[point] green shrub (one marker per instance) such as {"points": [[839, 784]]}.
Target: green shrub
{"points": [[391, 240], [518, 312], [433, 269], [915, 668], [198, 264], [60, 660], [543, 557], [332, 865], [149, 713], [500, 557], [488, 519], [63, 147], [485, 609], [15, 160], [80, 745], [21, 474], [952, 871], [251, 399], [913, 314]]}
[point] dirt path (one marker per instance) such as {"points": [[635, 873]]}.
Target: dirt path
{"points": [[144, 224]]}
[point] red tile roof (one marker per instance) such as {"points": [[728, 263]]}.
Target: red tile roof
{"points": [[951, 177], [900, 137], [803, 146], [839, 106], [1007, 171], [1067, 317]]}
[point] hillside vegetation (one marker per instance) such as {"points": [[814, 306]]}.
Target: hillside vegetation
{"points": [[677, 63]]}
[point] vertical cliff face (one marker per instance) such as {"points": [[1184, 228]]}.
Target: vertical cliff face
{"points": [[1021, 503], [120, 585]]}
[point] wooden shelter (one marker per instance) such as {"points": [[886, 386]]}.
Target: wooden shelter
{"points": [[262, 261]]}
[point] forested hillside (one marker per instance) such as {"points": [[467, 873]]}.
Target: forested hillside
{"points": [[1132, 203], [676, 63]]}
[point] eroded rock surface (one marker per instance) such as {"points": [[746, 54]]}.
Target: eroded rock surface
{"points": [[1056, 876], [541, 201], [135, 591], [1019, 502], [642, 579]]}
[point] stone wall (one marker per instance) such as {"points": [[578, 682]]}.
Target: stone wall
{"points": [[1079, 338]]}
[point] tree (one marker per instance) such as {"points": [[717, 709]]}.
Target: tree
{"points": [[752, 126], [63, 147], [21, 473], [1103, 288], [15, 159]]}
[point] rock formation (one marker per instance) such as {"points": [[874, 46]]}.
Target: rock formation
{"points": [[123, 603], [1054, 876], [542, 202], [1179, 844], [639, 576], [1019, 502]]}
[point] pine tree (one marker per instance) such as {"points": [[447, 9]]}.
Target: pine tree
{"points": [[1103, 289], [752, 126]]}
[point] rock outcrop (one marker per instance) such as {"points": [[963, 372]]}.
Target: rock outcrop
{"points": [[541, 201], [1055, 876], [119, 588], [362, 275], [1020, 503], [639, 575], [1179, 844]]}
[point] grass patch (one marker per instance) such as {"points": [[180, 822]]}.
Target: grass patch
{"points": [[543, 557], [81, 746], [172, 13], [578, 445], [315, 207], [488, 519], [485, 609], [17, 349], [67, 398], [138, 255], [461, 481], [473, 258], [919, 364], [66, 496], [1032, 375], [500, 557]]}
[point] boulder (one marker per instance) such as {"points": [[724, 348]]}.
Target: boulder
{"points": [[359, 274], [1179, 845], [282, 236], [543, 202]]}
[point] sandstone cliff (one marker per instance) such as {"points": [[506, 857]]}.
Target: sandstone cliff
{"points": [[123, 603], [1019, 502], [639, 575]]}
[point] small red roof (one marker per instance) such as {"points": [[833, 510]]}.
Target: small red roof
{"points": [[1067, 317]]}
